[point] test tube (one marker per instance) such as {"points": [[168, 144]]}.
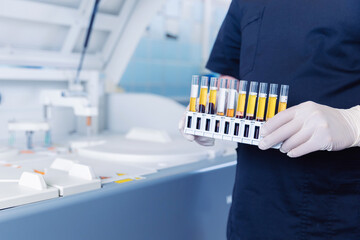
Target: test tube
{"points": [[231, 98], [212, 97], [12, 138], [240, 109], [222, 97], [272, 101], [261, 102], [250, 110], [88, 125], [194, 93], [284, 91], [203, 94]]}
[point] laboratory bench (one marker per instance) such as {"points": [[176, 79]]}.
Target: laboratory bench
{"points": [[191, 201]]}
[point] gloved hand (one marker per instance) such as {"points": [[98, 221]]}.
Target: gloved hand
{"points": [[204, 141], [310, 127]]}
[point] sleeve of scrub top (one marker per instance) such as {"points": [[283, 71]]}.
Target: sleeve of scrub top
{"points": [[225, 55]]}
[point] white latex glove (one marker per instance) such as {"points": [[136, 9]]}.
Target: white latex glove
{"points": [[310, 127], [204, 141]]}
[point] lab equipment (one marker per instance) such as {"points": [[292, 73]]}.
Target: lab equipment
{"points": [[29, 128], [250, 110], [203, 94], [222, 97], [194, 93], [231, 98], [240, 109], [261, 102], [271, 108], [86, 42], [212, 97], [284, 92]]}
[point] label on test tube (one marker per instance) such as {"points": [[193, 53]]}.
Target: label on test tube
{"points": [[194, 93], [221, 102], [261, 107]]}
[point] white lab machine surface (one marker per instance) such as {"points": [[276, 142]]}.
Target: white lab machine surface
{"points": [[150, 138], [151, 135], [28, 126], [105, 170], [7, 152], [151, 154], [79, 178], [7, 172], [29, 188]]}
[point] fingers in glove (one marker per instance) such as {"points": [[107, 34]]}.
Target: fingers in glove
{"points": [[305, 148], [205, 141], [277, 121], [279, 135], [296, 140], [189, 137]]}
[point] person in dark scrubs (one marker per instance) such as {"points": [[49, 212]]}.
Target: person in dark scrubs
{"points": [[310, 189]]}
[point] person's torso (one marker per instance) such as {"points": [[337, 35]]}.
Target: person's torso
{"points": [[314, 47]]}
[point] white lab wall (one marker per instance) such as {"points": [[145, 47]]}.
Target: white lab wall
{"points": [[21, 101]]}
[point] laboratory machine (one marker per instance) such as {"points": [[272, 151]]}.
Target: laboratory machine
{"points": [[81, 159]]}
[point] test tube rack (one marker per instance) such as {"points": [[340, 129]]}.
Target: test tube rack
{"points": [[224, 128]]}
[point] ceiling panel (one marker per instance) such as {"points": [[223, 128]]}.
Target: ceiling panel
{"points": [[31, 35], [96, 44], [64, 3], [112, 7]]}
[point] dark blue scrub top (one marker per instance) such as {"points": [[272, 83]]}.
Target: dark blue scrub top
{"points": [[313, 46]]}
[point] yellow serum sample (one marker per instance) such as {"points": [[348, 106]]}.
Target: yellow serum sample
{"points": [[193, 97], [250, 110], [192, 104], [282, 106], [282, 103], [261, 108], [203, 99], [271, 106], [240, 109]]}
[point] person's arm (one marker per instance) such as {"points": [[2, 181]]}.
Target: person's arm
{"points": [[310, 127]]}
